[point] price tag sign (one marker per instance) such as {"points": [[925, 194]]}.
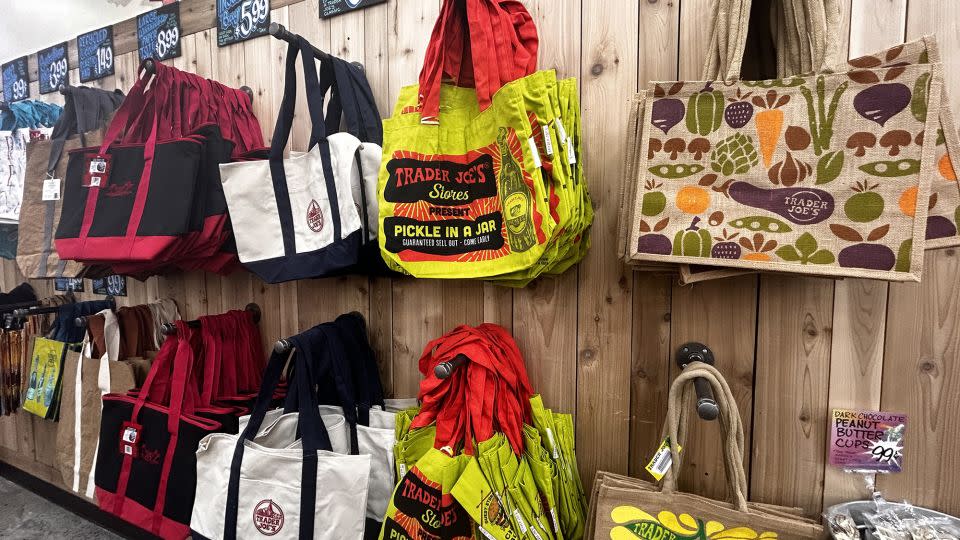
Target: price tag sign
{"points": [[332, 8], [158, 33], [867, 441], [53, 68], [68, 284], [112, 285], [95, 51], [16, 86], [240, 20]]}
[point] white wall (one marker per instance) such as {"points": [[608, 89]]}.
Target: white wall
{"points": [[27, 26]]}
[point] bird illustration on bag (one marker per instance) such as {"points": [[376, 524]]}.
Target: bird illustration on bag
{"points": [[516, 199]]}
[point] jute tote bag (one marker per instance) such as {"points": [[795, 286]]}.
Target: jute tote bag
{"points": [[770, 174], [625, 510]]}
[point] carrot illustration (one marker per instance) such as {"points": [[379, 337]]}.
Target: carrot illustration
{"points": [[769, 123]]}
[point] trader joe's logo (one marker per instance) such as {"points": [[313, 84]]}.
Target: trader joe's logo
{"points": [[268, 517], [314, 217]]}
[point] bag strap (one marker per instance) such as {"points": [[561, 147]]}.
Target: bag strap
{"points": [[310, 424], [681, 402]]}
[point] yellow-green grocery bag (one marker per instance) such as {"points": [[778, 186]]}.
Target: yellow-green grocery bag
{"points": [[43, 388]]}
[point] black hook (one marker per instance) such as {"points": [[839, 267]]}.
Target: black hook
{"points": [[697, 352], [444, 370]]}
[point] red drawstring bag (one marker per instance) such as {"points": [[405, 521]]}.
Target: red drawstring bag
{"points": [[490, 393]]}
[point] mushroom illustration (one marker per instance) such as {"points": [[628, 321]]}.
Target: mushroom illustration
{"points": [[861, 141], [656, 145], [895, 140], [674, 147], [698, 147]]}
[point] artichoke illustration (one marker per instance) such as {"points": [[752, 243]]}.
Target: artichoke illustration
{"points": [[734, 155]]}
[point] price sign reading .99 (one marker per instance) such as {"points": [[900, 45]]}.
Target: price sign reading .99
{"points": [[240, 20], [158, 33], [52, 67], [15, 86], [95, 52]]}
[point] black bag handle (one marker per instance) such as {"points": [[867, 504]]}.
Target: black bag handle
{"points": [[329, 367], [318, 136], [310, 425], [351, 101], [366, 373]]}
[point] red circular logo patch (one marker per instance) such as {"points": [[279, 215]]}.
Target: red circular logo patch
{"points": [[268, 517], [314, 217]]}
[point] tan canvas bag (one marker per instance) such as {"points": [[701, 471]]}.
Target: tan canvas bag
{"points": [[765, 181], [624, 509]]}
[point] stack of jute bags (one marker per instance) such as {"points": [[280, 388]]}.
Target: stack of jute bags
{"points": [[840, 169], [482, 176], [624, 508]]}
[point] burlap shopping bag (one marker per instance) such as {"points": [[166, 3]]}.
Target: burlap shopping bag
{"points": [[624, 510], [766, 179], [85, 381]]}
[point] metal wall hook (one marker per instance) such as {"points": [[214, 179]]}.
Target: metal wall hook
{"points": [[444, 370], [279, 31], [169, 329], [707, 407]]}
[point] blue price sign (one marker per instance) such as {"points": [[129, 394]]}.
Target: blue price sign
{"points": [[111, 285], [240, 20], [95, 51], [158, 33], [68, 284], [330, 8], [53, 68], [16, 86]]}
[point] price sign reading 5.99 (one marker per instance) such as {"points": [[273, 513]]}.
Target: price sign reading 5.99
{"points": [[52, 68], [240, 20], [158, 33], [95, 51]]}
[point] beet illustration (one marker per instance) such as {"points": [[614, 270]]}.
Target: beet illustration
{"points": [[738, 114], [805, 206], [869, 256], [730, 251], [667, 113], [940, 227], [656, 244], [882, 102]]}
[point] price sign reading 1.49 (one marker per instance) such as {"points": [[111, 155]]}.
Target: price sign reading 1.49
{"points": [[95, 51], [15, 84], [158, 33], [240, 20], [52, 67]]}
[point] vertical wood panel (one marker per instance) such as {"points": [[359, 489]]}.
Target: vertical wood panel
{"points": [[792, 381], [608, 79], [876, 25]]}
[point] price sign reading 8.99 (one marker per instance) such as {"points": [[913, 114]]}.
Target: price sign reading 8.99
{"points": [[52, 68], [240, 20], [158, 33], [95, 52]]}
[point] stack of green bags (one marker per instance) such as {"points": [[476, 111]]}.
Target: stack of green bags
{"points": [[490, 492]]}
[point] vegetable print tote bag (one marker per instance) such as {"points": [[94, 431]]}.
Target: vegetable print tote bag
{"points": [[778, 175]]}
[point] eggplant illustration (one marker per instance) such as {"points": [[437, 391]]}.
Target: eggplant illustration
{"points": [[940, 227], [667, 113], [882, 102], [804, 206], [655, 244], [869, 256]]}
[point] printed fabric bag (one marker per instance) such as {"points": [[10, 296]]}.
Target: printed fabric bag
{"points": [[130, 202], [42, 397], [295, 218], [87, 380], [85, 116], [768, 178], [462, 191], [146, 468], [291, 486], [637, 509]]}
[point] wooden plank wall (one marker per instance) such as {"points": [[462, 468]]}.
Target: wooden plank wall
{"points": [[598, 340]]}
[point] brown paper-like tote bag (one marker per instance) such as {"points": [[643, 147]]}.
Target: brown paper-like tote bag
{"points": [[626, 509], [765, 179], [85, 381]]}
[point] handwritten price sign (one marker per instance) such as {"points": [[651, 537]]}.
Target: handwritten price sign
{"points": [[332, 8], [52, 66], [95, 51], [867, 440], [158, 33], [240, 20], [15, 84]]}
